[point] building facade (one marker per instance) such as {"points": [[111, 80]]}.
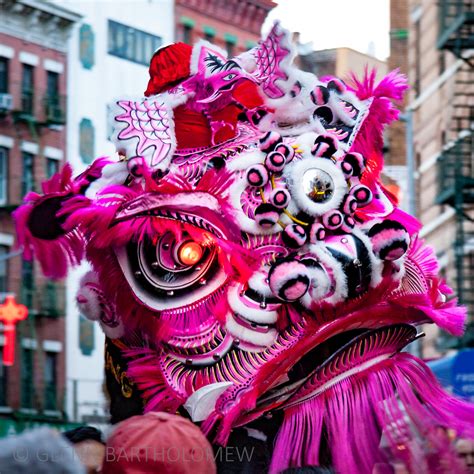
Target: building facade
{"points": [[441, 101], [33, 78], [339, 62], [398, 59], [109, 54], [395, 170], [234, 25]]}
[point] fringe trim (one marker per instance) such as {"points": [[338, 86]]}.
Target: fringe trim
{"points": [[398, 401]]}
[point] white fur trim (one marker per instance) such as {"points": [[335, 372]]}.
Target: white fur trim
{"points": [[197, 53], [87, 299], [258, 283], [294, 173], [376, 263], [334, 268], [259, 316], [246, 159], [113, 173], [320, 286], [253, 337], [113, 333], [247, 61]]}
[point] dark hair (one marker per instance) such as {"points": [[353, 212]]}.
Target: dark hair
{"points": [[83, 433], [308, 470]]}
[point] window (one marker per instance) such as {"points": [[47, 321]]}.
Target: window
{"points": [[3, 75], [230, 42], [417, 84], [141, 52], [187, 34], [52, 84], [27, 377], [3, 175], [131, 44], [3, 383], [229, 48], [27, 278], [209, 33], [209, 37], [27, 179], [54, 109], [4, 250], [52, 167], [27, 89], [441, 62], [50, 380]]}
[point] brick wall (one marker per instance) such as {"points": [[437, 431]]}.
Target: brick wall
{"points": [[398, 59], [41, 137], [241, 20], [437, 74]]}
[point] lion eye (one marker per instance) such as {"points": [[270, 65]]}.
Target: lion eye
{"points": [[167, 272], [229, 77]]}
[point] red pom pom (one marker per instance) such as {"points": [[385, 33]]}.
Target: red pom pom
{"points": [[168, 66]]}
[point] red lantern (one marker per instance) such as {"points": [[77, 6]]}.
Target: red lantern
{"points": [[10, 313]]}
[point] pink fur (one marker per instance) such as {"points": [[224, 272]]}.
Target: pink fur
{"points": [[369, 141], [411, 224], [55, 255]]}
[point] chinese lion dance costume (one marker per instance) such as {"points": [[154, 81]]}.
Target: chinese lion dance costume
{"points": [[247, 261]]}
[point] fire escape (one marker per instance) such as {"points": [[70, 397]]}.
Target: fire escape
{"points": [[456, 163]]}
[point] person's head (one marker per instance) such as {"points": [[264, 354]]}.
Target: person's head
{"points": [[465, 450], [89, 446], [383, 468], [308, 470], [158, 442], [40, 451]]}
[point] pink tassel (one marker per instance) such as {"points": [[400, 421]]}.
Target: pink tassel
{"points": [[450, 317], [423, 256], [144, 371], [302, 429], [358, 409], [392, 86]]}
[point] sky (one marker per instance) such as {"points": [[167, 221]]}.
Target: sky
{"points": [[359, 24]]}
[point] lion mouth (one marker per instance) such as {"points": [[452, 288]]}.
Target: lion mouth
{"points": [[327, 363], [336, 358]]}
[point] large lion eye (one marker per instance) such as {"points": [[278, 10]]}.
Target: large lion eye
{"points": [[169, 272], [317, 185]]}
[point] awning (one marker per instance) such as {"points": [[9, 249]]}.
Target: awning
{"points": [[456, 373]]}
